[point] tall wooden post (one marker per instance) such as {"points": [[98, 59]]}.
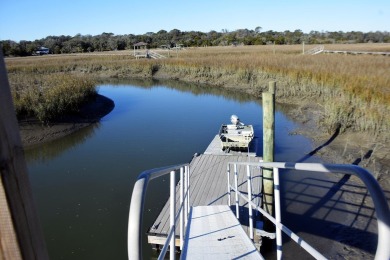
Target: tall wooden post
{"points": [[268, 152], [20, 233], [268, 145]]}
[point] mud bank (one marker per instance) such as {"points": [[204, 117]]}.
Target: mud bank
{"points": [[33, 132], [356, 237]]}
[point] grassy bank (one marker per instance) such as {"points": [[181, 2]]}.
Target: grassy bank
{"points": [[353, 91], [48, 96]]}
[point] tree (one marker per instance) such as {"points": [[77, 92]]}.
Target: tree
{"points": [[108, 41], [7, 47], [162, 32]]}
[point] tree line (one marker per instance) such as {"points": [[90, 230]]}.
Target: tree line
{"points": [[109, 42]]}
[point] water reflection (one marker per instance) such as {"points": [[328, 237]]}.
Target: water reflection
{"points": [[50, 150], [193, 88]]}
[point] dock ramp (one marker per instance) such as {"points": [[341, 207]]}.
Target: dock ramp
{"points": [[207, 179], [215, 233], [209, 230]]}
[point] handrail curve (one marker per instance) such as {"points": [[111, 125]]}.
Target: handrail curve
{"points": [[134, 242], [378, 197]]}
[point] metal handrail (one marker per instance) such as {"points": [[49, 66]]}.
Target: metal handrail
{"points": [[377, 195], [134, 241], [282, 227]]}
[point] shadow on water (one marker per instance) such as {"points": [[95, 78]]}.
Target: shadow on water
{"points": [[53, 149], [89, 114]]}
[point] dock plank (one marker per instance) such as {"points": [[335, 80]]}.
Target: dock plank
{"points": [[204, 177], [215, 233]]}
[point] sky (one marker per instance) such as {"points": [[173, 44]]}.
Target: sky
{"points": [[31, 20]]}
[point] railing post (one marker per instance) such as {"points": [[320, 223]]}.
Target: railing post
{"points": [[248, 172], [236, 186], [228, 182], [188, 189], [186, 195], [182, 207], [172, 215], [278, 216]]}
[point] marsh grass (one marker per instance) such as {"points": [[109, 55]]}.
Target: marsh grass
{"points": [[49, 96], [353, 90]]}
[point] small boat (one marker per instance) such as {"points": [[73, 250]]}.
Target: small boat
{"points": [[236, 135]]}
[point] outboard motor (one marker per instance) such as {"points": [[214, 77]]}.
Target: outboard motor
{"points": [[235, 120]]}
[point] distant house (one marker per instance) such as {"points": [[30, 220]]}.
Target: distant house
{"points": [[42, 51]]}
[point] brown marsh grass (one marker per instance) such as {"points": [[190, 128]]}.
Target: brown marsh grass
{"points": [[49, 96], [353, 90]]}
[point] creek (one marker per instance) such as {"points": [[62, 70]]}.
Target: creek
{"points": [[83, 182]]}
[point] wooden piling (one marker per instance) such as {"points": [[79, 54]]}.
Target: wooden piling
{"points": [[268, 145], [268, 152], [20, 233]]}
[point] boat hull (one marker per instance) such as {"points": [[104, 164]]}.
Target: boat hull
{"points": [[233, 136]]}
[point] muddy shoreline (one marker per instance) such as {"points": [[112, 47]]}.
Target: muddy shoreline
{"points": [[34, 133], [363, 149]]}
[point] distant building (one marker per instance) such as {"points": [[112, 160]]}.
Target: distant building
{"points": [[42, 51], [140, 46]]}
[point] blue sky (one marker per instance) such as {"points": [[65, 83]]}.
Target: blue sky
{"points": [[30, 20]]}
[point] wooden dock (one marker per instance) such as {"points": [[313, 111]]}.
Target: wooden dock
{"points": [[208, 186]]}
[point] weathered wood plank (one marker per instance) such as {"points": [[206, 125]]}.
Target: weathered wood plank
{"points": [[217, 194], [200, 191], [16, 186], [161, 224], [9, 248]]}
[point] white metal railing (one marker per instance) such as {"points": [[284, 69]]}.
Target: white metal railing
{"points": [[377, 195], [134, 240]]}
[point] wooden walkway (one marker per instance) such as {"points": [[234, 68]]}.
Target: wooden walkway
{"points": [[208, 186], [359, 52], [215, 233]]}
